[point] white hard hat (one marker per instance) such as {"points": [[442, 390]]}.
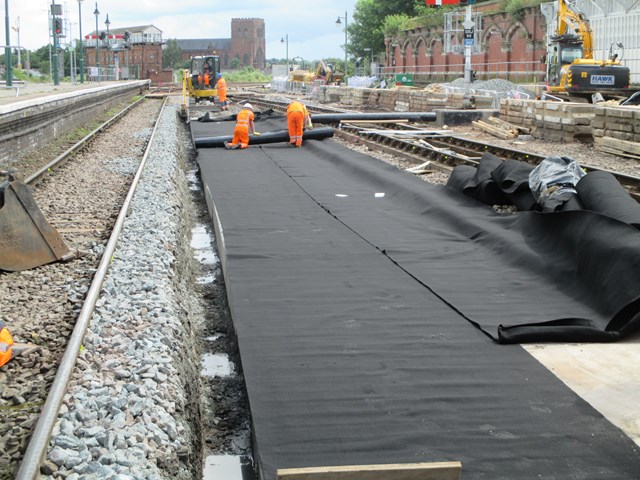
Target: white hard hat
{"points": [[249, 106]]}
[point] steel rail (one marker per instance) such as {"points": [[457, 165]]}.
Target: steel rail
{"points": [[40, 174], [30, 467]]}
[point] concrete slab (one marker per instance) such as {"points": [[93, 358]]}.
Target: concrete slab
{"points": [[605, 375]]}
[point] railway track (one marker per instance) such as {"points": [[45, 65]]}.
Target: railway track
{"points": [[421, 142], [47, 308]]}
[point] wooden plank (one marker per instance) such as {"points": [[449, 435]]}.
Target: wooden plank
{"points": [[623, 145], [508, 125], [400, 471], [496, 132], [615, 151]]}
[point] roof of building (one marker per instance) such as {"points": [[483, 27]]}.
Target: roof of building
{"points": [[132, 30], [205, 44]]}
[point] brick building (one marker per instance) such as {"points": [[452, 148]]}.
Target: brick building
{"points": [[247, 44], [511, 43], [139, 56]]}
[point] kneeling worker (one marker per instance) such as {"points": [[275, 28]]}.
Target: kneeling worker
{"points": [[297, 119], [244, 127]]}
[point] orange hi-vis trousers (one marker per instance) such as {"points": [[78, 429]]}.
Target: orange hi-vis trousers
{"points": [[295, 125]]}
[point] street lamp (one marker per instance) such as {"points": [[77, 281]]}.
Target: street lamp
{"points": [[81, 44], [107, 23], [338, 22], [285, 39], [371, 62], [7, 54], [96, 12]]}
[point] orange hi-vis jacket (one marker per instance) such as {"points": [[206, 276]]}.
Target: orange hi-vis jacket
{"points": [[297, 117], [221, 85], [241, 132], [6, 342]]}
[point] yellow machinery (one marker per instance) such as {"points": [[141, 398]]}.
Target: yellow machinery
{"points": [[325, 72], [199, 81], [322, 72], [571, 68]]}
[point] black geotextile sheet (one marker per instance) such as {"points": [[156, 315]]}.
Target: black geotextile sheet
{"points": [[351, 286]]}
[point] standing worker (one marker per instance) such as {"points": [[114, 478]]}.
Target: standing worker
{"points": [[244, 127], [221, 85], [297, 119]]}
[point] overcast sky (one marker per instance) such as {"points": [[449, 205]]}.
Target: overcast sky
{"points": [[310, 24]]}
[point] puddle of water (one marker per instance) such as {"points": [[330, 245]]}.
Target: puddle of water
{"points": [[203, 253], [192, 178], [206, 257], [216, 365], [200, 238], [228, 467], [206, 279]]}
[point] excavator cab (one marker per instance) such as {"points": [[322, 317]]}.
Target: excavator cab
{"points": [[27, 240], [199, 81]]}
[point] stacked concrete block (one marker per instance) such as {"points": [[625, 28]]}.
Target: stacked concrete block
{"points": [[403, 100], [551, 120], [622, 123], [518, 112]]}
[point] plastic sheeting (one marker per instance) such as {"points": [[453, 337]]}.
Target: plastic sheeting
{"points": [[351, 286]]}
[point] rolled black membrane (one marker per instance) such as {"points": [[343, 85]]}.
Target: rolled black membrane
{"points": [[265, 137], [351, 286]]}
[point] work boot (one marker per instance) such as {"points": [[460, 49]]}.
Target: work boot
{"points": [[231, 146]]}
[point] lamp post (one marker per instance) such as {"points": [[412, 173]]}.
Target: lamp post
{"points": [[7, 51], [56, 23], [81, 44], [96, 12], [338, 22], [107, 23], [285, 40], [371, 62], [17, 30]]}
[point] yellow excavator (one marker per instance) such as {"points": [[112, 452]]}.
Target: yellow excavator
{"points": [[324, 71], [199, 81], [571, 68]]}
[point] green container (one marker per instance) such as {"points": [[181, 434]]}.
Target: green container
{"points": [[404, 79]]}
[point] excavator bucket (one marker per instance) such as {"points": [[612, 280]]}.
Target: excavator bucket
{"points": [[27, 240]]}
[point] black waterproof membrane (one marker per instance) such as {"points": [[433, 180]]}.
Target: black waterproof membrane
{"points": [[352, 286]]}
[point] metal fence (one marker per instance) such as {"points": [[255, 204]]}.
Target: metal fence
{"points": [[516, 72]]}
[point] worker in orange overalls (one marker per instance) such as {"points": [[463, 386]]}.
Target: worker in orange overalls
{"points": [[221, 85], [244, 127], [6, 342], [297, 119]]}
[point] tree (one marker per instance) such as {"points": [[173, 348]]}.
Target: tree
{"points": [[365, 30], [172, 55]]}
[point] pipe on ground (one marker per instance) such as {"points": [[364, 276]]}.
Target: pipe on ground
{"points": [[267, 137], [380, 116]]}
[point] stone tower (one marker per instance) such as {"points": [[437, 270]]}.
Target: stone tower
{"points": [[248, 41]]}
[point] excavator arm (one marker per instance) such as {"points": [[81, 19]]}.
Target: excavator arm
{"points": [[572, 21]]}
